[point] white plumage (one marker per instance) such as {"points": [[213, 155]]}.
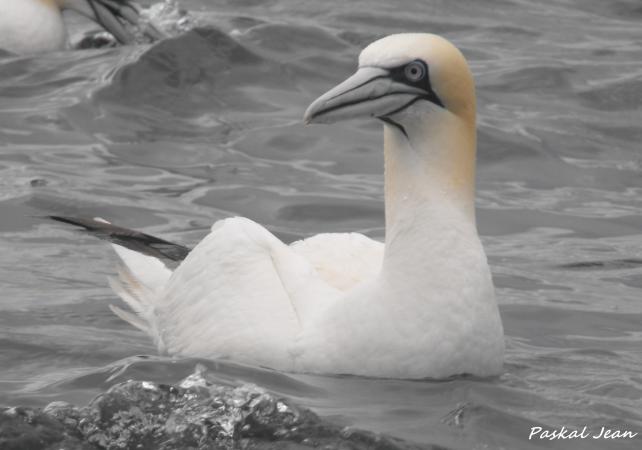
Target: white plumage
{"points": [[342, 260], [31, 26], [422, 305]]}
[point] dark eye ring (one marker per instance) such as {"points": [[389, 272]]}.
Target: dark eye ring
{"points": [[415, 71]]}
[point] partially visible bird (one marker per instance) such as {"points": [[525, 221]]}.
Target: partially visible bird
{"points": [[37, 26]]}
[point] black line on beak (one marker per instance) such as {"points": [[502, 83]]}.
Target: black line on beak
{"points": [[358, 86], [407, 104], [389, 121], [364, 100]]}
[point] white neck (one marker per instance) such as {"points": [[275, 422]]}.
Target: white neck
{"points": [[429, 189], [431, 310]]}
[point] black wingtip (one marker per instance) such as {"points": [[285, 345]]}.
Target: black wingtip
{"points": [[131, 239], [116, 15], [68, 220]]}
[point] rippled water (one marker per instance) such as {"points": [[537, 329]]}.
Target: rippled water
{"points": [[170, 138]]}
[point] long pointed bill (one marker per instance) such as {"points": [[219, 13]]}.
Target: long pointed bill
{"points": [[370, 92], [112, 15]]}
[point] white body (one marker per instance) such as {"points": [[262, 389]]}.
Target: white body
{"points": [[328, 304], [31, 26], [422, 305]]}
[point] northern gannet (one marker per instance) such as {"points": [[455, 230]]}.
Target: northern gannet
{"points": [[421, 305], [37, 26]]}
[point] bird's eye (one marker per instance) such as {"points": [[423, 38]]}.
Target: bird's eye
{"points": [[415, 71]]}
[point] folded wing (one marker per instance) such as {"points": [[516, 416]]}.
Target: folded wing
{"points": [[343, 260], [240, 292]]}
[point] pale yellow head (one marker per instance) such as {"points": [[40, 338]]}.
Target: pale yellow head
{"points": [[420, 86], [448, 71]]}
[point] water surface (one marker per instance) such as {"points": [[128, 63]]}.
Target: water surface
{"points": [[170, 138]]}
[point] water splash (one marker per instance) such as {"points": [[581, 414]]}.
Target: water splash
{"points": [[195, 413], [169, 17]]}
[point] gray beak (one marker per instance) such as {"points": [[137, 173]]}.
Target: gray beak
{"points": [[112, 15], [370, 92]]}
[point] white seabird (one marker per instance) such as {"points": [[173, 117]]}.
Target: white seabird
{"points": [[421, 305], [37, 26]]}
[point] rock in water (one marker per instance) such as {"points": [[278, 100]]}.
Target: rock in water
{"points": [[193, 415]]}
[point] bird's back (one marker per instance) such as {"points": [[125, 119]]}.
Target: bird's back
{"points": [[240, 293], [343, 260]]}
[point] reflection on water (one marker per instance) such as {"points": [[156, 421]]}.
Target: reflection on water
{"points": [[206, 125]]}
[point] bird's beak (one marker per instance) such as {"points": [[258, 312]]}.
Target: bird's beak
{"points": [[112, 15], [370, 92]]}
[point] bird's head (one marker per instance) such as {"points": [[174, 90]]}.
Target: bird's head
{"points": [[402, 79], [420, 86]]}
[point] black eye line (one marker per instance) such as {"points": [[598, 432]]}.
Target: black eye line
{"points": [[398, 74]]}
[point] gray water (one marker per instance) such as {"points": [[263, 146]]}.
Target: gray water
{"points": [[170, 138]]}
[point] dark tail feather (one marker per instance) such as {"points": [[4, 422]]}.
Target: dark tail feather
{"points": [[131, 239], [114, 15]]}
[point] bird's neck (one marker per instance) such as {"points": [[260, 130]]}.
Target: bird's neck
{"points": [[429, 188]]}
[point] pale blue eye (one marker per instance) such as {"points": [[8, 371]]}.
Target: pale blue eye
{"points": [[414, 71]]}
